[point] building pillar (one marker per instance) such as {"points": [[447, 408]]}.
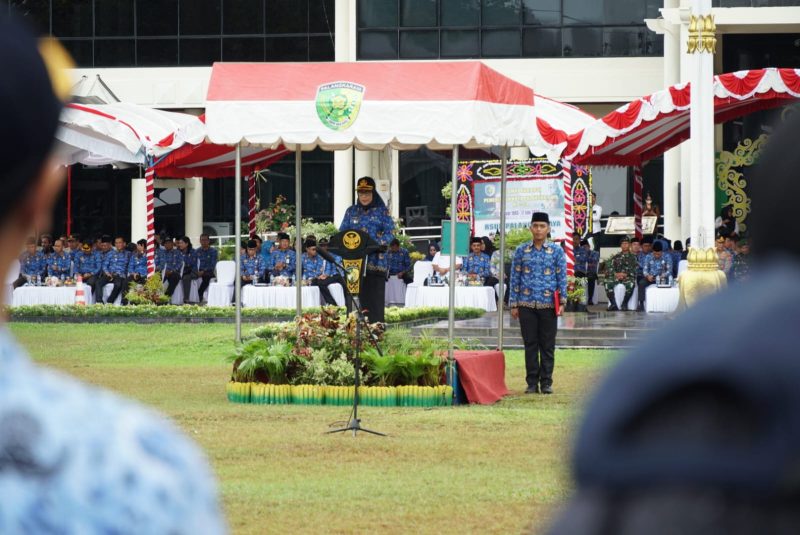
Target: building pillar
{"points": [[138, 210], [342, 183], [193, 209], [395, 183], [686, 197], [672, 158]]}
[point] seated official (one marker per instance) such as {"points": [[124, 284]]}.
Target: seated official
{"points": [[478, 265], [31, 263], [441, 265], [189, 270], [399, 262], [620, 269], [59, 264], [314, 272], [252, 264], [283, 259], [115, 271], [170, 262], [88, 263], [137, 265], [205, 263], [655, 264], [586, 261]]}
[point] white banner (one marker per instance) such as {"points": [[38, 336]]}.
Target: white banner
{"points": [[524, 197]]}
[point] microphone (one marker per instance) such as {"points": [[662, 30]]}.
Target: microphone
{"points": [[326, 255]]}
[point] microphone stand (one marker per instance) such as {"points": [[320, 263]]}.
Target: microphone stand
{"points": [[354, 422]]}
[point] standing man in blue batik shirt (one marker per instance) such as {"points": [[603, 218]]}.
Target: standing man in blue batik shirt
{"points": [[74, 458], [478, 265], [399, 262], [538, 271], [115, 270], [369, 214]]}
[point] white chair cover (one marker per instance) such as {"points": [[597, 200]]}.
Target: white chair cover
{"points": [[422, 270], [107, 292], [337, 292], [439, 296], [226, 272], [661, 299], [619, 296], [220, 292], [395, 293], [13, 272], [683, 265]]}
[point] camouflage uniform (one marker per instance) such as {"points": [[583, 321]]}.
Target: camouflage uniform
{"points": [[620, 263]]}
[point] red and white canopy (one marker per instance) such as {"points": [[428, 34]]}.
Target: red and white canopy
{"points": [[122, 132], [369, 105], [557, 122], [213, 161], [649, 126]]}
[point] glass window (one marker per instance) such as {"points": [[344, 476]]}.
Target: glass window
{"points": [[199, 52], [542, 12], [417, 13], [624, 12], [242, 16], [72, 18], [243, 49], [651, 10], [81, 51], [377, 13], [377, 45], [321, 49], [577, 12], [541, 42], [287, 48], [461, 12], [654, 43], [500, 43], [200, 17], [501, 12], [156, 17], [114, 53], [113, 17], [624, 41], [461, 44], [582, 42], [420, 44], [36, 11], [287, 16], [321, 16], [156, 52]]}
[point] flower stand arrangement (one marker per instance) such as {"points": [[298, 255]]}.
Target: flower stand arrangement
{"points": [[309, 362]]}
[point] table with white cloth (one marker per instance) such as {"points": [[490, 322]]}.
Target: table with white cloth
{"points": [[439, 296], [395, 293], [286, 296], [661, 299], [46, 295]]}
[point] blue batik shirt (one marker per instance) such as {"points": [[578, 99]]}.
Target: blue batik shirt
{"points": [[58, 265], [640, 258], [312, 267], [330, 269], [288, 257], [88, 263], [376, 222], [477, 264], [586, 260], [252, 266], [171, 260], [266, 252], [536, 274], [116, 262], [78, 459], [32, 264], [398, 262], [138, 265], [205, 259], [657, 266]]}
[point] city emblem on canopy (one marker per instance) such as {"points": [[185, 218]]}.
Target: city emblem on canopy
{"points": [[338, 104]]}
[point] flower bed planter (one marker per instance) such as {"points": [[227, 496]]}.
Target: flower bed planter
{"points": [[371, 396]]}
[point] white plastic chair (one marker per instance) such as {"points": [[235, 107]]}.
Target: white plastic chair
{"points": [[220, 292], [11, 277], [422, 270], [683, 265]]}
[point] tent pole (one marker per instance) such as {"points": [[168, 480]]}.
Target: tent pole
{"points": [[298, 244], [69, 200], [237, 232], [502, 230], [451, 314]]}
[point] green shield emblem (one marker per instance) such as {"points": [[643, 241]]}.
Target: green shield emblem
{"points": [[338, 104]]}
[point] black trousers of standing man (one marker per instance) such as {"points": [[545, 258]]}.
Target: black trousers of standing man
{"points": [[539, 326], [373, 295]]}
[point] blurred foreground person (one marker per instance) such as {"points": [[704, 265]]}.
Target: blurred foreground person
{"points": [[73, 458], [703, 437]]}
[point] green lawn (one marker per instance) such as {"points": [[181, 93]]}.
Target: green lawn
{"points": [[497, 469]]}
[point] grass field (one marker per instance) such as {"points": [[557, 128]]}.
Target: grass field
{"points": [[475, 469]]}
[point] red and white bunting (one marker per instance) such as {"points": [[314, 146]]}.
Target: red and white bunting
{"points": [[251, 204], [569, 223], [150, 190], [637, 199]]}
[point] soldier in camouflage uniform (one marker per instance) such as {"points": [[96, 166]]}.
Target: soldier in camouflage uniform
{"points": [[620, 269]]}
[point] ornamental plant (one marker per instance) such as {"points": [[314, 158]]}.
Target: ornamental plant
{"points": [[149, 293], [276, 216]]}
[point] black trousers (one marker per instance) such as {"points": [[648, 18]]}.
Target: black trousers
{"points": [[539, 326], [408, 278], [373, 295], [643, 284], [21, 281], [591, 280], [324, 292], [172, 278], [92, 282], [119, 285], [348, 300], [187, 279]]}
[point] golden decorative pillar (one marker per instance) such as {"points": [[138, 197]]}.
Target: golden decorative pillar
{"points": [[703, 277]]}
